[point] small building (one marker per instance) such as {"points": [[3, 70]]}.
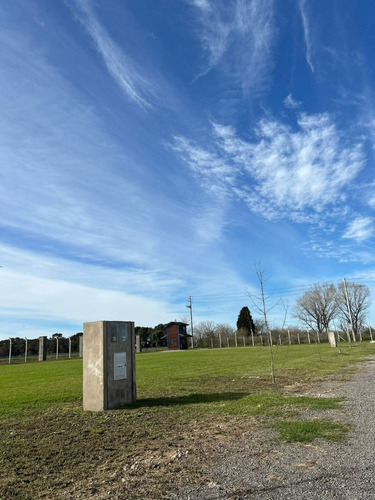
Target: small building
{"points": [[177, 338]]}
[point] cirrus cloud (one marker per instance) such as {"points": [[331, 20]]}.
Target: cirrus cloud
{"points": [[283, 172]]}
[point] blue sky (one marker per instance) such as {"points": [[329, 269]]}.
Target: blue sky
{"points": [[152, 150]]}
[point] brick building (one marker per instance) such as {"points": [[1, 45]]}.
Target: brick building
{"points": [[177, 338]]}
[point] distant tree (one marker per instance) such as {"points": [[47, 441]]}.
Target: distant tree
{"points": [[158, 336], [358, 299], [317, 308], [245, 321]]}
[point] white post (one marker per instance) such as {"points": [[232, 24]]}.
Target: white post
{"points": [[252, 336], [279, 339], [299, 340], [308, 337], [289, 339], [10, 349], [227, 341], [369, 327], [70, 347], [25, 349], [349, 311], [190, 306], [57, 347]]}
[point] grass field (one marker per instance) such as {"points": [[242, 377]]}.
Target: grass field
{"points": [[50, 448]]}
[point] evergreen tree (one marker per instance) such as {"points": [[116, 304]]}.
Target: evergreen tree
{"points": [[245, 321]]}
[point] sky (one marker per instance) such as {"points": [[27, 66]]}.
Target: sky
{"points": [[156, 150]]}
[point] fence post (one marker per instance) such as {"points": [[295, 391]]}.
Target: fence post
{"points": [[289, 339], [25, 349], [10, 349]]}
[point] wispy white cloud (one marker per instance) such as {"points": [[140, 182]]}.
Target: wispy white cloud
{"points": [[291, 103], [127, 74], [307, 34], [238, 37], [360, 229], [284, 172]]}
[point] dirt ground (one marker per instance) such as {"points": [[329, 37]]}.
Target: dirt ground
{"points": [[65, 453]]}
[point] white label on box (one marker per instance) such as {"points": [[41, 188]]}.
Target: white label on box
{"points": [[119, 360]]}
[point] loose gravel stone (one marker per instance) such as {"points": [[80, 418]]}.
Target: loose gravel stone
{"points": [[258, 467]]}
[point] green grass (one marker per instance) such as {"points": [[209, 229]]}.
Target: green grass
{"points": [[33, 387], [307, 431], [235, 381], [184, 399]]}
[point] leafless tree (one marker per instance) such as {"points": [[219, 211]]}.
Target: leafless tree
{"points": [[317, 307], [358, 300], [260, 303]]}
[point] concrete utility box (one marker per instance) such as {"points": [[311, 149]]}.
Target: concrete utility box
{"points": [[108, 365]]}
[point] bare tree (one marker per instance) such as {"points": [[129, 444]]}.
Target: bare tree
{"points": [[261, 304], [317, 307], [357, 300]]}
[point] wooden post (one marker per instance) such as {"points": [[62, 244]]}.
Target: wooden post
{"points": [[289, 339], [235, 338], [220, 340], [212, 342], [244, 341], [227, 341]]}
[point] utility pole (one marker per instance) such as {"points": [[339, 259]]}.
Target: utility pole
{"points": [[190, 306], [349, 311]]}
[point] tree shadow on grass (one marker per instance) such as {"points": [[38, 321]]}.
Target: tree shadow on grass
{"points": [[189, 399]]}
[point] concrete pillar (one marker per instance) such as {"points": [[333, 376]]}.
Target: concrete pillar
{"points": [[138, 343], [332, 339], [42, 348], [80, 346], [108, 365]]}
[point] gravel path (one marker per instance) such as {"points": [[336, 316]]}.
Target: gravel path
{"points": [[259, 468]]}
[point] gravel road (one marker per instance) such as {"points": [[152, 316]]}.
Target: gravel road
{"points": [[257, 467]]}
